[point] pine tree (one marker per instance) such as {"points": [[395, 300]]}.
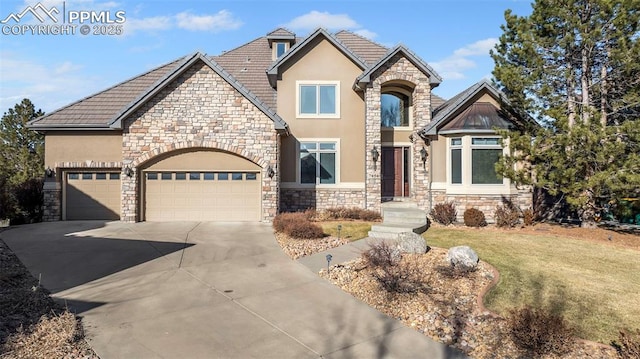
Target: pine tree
{"points": [[21, 163], [575, 66]]}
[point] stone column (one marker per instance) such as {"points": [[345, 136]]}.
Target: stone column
{"points": [[421, 118], [52, 205], [373, 184], [129, 204]]}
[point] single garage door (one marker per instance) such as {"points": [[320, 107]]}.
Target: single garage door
{"points": [[202, 196], [92, 195]]}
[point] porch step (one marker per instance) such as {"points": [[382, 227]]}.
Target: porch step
{"points": [[399, 217], [392, 231]]}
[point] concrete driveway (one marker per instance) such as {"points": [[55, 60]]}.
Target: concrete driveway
{"points": [[204, 290]]}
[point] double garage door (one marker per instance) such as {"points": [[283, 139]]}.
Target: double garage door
{"points": [[202, 196], [167, 196]]}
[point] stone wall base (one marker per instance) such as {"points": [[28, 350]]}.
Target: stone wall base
{"points": [[52, 203], [301, 199], [485, 202]]}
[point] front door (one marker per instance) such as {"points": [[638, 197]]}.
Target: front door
{"points": [[395, 171]]}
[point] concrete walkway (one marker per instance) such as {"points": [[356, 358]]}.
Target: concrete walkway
{"points": [[205, 290]]}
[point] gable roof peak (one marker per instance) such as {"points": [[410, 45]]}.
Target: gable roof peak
{"points": [[365, 77], [281, 31], [273, 70]]}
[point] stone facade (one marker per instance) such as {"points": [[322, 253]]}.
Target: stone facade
{"points": [[52, 205], [300, 199], [198, 110], [486, 202], [398, 70]]}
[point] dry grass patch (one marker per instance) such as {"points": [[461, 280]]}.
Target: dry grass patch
{"points": [[592, 283], [351, 230]]}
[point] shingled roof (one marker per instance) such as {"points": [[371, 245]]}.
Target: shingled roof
{"points": [[245, 64]]}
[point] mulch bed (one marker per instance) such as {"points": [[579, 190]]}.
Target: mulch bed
{"points": [[448, 308], [32, 325]]}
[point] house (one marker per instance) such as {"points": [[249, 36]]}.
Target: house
{"points": [[278, 124]]}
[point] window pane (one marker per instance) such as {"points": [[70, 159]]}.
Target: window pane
{"points": [[485, 141], [152, 176], [307, 146], [328, 99], [73, 176], [87, 176], [307, 168], [456, 166], [236, 176], [390, 110], [166, 176], [208, 176], [223, 176], [328, 146], [308, 99], [456, 142], [114, 176], [194, 176], [101, 176], [251, 176], [327, 168], [280, 49], [181, 176], [483, 166]]}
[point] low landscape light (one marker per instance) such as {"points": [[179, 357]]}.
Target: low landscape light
{"points": [[329, 257]]}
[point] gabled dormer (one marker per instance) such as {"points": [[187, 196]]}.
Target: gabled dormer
{"points": [[280, 41]]}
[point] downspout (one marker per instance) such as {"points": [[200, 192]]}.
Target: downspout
{"points": [[430, 176]]}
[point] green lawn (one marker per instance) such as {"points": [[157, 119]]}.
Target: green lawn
{"points": [[595, 286], [352, 230]]}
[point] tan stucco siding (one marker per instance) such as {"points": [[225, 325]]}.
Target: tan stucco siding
{"points": [[323, 62], [203, 161], [81, 146], [439, 159], [395, 136]]}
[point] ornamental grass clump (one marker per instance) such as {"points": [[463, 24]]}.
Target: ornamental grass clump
{"points": [[507, 215]]}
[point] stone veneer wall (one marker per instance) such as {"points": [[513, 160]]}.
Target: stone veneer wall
{"points": [[198, 110], [398, 68], [301, 199], [52, 202], [486, 202]]}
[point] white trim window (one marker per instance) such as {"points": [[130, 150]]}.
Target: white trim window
{"points": [[485, 153], [318, 162], [318, 99], [472, 160], [279, 48]]}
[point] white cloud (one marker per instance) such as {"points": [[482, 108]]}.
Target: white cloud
{"points": [[221, 21], [48, 86], [315, 19], [454, 66]]}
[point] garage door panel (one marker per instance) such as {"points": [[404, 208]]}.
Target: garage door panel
{"points": [[204, 196], [92, 195]]}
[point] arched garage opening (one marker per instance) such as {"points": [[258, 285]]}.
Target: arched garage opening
{"points": [[201, 185]]}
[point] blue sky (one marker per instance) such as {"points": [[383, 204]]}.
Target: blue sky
{"points": [[454, 37]]}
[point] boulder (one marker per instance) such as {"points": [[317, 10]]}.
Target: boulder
{"points": [[463, 257], [409, 242]]}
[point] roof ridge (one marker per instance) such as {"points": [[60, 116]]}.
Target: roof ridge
{"points": [[281, 28], [239, 46], [362, 37], [107, 89]]}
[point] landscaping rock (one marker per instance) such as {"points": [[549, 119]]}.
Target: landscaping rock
{"points": [[463, 257], [409, 242]]}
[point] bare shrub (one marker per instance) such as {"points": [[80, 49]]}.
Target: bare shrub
{"points": [[381, 255], [353, 213], [393, 275], [507, 215], [629, 346], [539, 332], [528, 217], [297, 225], [474, 217], [444, 213], [303, 230]]}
